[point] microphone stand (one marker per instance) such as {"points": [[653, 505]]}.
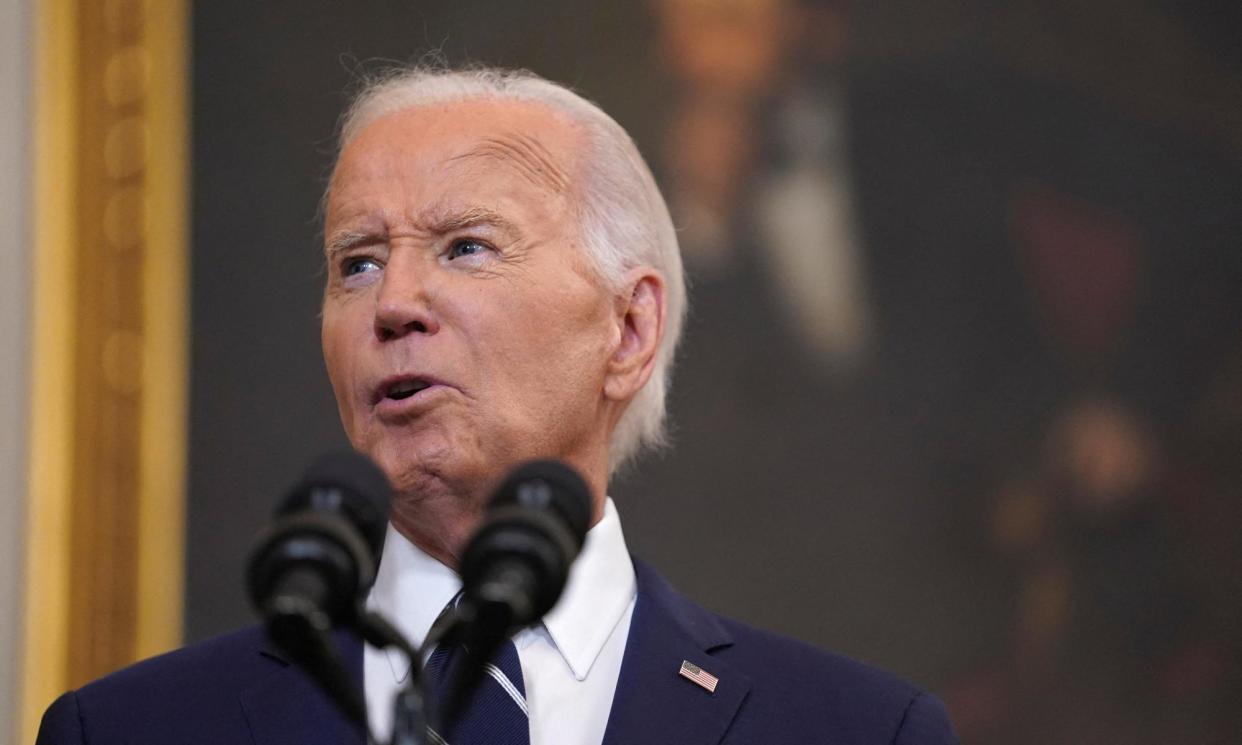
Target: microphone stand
{"points": [[307, 643], [303, 637]]}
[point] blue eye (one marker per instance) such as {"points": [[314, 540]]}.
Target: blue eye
{"points": [[465, 247], [358, 266]]}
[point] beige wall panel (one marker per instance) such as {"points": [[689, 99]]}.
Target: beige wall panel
{"points": [[108, 324], [14, 316]]}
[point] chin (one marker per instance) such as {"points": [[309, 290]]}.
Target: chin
{"points": [[419, 466]]}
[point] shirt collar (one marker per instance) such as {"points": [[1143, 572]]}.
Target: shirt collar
{"points": [[411, 588], [599, 591]]}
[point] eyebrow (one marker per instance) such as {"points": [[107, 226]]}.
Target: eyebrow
{"points": [[344, 240], [440, 222], [436, 221]]}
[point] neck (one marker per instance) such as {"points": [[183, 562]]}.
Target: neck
{"points": [[441, 521]]}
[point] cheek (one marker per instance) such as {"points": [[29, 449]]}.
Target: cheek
{"points": [[329, 339], [566, 346], [339, 351]]}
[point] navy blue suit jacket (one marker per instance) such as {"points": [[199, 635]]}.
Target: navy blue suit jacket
{"points": [[772, 690]]}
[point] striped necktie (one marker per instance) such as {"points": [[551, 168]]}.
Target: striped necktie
{"points": [[496, 713]]}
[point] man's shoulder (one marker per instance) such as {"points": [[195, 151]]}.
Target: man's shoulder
{"points": [[790, 675], [763, 654], [170, 695], [795, 688], [225, 661], [766, 653]]}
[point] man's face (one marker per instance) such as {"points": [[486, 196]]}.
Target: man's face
{"points": [[462, 329]]}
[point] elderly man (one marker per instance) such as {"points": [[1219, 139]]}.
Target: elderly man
{"points": [[504, 283]]}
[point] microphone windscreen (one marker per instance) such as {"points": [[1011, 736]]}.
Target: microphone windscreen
{"points": [[550, 484], [349, 482]]}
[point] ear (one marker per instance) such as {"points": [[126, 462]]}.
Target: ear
{"points": [[640, 312]]}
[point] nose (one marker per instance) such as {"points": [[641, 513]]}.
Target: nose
{"points": [[403, 305]]}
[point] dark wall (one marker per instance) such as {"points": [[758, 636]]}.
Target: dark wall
{"points": [[1016, 495]]}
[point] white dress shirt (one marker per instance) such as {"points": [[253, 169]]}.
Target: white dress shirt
{"points": [[570, 662]]}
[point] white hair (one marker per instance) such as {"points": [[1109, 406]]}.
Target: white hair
{"points": [[624, 220]]}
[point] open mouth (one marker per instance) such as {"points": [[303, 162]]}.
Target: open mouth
{"points": [[403, 389]]}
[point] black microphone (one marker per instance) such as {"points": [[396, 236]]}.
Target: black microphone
{"points": [[311, 569], [517, 563]]}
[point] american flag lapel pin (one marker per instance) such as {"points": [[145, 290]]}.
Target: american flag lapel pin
{"points": [[698, 675]]}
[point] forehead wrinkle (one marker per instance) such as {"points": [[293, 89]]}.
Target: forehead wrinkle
{"points": [[527, 155]]}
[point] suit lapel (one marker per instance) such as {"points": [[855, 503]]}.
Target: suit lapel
{"points": [[653, 703], [287, 708]]}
